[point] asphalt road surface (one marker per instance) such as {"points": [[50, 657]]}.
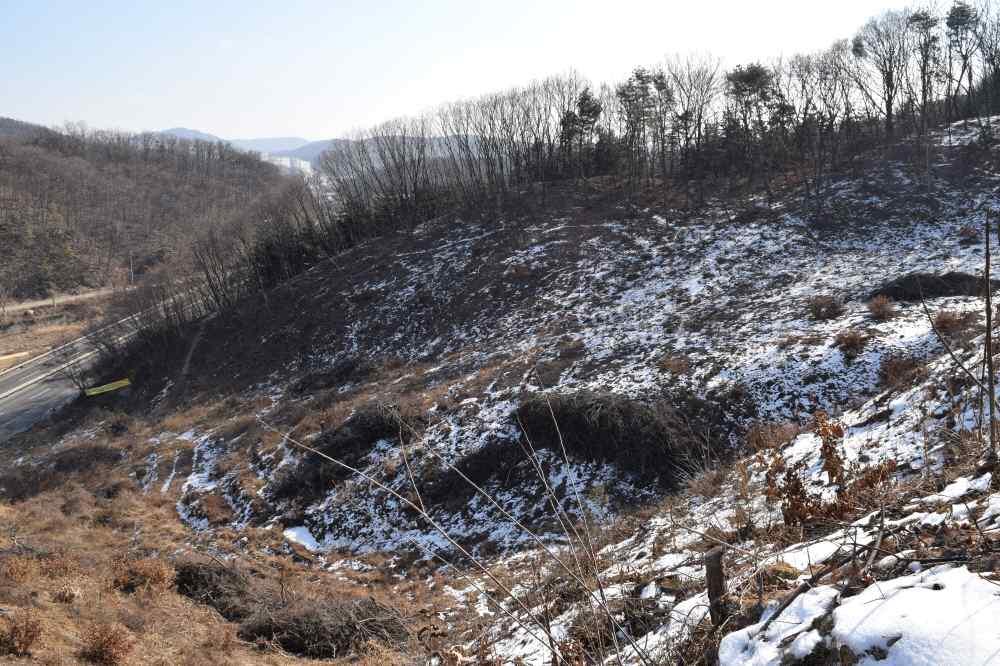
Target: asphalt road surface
{"points": [[35, 388]]}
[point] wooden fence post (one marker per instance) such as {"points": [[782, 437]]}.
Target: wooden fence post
{"points": [[716, 579]]}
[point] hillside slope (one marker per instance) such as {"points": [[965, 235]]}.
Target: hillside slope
{"points": [[87, 208], [659, 381]]}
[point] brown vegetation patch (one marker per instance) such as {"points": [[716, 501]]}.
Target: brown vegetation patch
{"points": [[762, 436], [953, 322], [108, 644], [882, 308], [900, 371], [851, 343], [20, 632], [325, 629], [825, 306], [675, 364], [147, 574]]}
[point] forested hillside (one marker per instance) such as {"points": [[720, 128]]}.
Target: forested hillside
{"points": [[83, 208]]}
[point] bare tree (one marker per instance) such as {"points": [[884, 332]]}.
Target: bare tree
{"points": [[882, 44], [962, 28]]}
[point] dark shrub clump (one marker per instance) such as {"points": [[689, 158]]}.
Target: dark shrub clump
{"points": [[224, 589], [325, 629], [314, 475], [321, 629], [661, 440], [914, 286]]}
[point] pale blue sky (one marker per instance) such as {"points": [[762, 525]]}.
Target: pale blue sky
{"points": [[318, 68]]}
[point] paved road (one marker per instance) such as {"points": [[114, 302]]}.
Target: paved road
{"points": [[34, 388], [58, 300]]}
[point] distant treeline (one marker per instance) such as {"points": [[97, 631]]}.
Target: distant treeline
{"points": [[686, 127], [81, 208], [687, 123]]}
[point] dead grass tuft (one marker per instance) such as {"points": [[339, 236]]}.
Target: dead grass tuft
{"points": [[900, 371], [825, 306], [148, 574], [851, 342], [708, 483], [763, 436], [882, 308], [952, 322], [107, 643]]}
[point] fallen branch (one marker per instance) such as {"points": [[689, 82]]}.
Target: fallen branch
{"points": [[806, 585]]}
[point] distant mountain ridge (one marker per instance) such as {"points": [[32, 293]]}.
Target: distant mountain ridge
{"points": [[271, 145], [311, 151], [281, 146], [193, 135]]}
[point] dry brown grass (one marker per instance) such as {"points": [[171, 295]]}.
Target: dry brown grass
{"points": [[825, 306], [953, 323], [900, 371], [20, 633], [19, 568], [708, 483], [149, 574], [882, 308], [851, 342]]}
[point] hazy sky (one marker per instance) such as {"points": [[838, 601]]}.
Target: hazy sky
{"points": [[317, 68]]}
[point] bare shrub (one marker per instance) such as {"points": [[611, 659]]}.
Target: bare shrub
{"points": [[762, 436], [147, 574], [899, 371], [20, 632], [107, 643], [825, 306], [851, 342], [953, 322], [882, 308]]}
